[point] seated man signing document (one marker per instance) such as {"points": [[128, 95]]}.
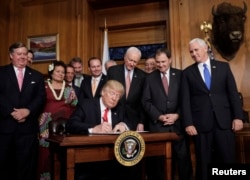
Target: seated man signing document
{"points": [[103, 115]]}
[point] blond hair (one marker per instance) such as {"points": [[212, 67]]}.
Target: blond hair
{"points": [[114, 85]]}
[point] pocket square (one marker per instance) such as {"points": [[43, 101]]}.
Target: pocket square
{"points": [[32, 82]]}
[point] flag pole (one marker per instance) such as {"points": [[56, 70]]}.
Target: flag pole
{"points": [[105, 52], [105, 24]]}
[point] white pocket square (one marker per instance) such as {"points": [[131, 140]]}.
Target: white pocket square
{"points": [[32, 82]]}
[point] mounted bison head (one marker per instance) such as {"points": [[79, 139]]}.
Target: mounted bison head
{"points": [[228, 29]]}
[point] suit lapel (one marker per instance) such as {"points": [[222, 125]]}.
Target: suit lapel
{"points": [[158, 80], [214, 72], [122, 75], [134, 82], [114, 116], [172, 82], [12, 75], [197, 73], [98, 106], [27, 78], [89, 85], [100, 85]]}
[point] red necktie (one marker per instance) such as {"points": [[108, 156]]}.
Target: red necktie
{"points": [[165, 82], [20, 78], [105, 115]]}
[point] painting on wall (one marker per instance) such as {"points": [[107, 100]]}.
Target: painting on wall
{"points": [[44, 47]]}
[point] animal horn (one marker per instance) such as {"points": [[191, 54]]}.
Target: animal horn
{"points": [[245, 7], [213, 11]]}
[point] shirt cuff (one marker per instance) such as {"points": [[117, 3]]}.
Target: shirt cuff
{"points": [[90, 130]]}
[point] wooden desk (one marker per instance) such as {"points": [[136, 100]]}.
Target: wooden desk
{"points": [[90, 148]]}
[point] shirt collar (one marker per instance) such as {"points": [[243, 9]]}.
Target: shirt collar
{"points": [[97, 78]]}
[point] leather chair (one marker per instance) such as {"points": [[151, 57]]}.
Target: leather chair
{"points": [[57, 127]]}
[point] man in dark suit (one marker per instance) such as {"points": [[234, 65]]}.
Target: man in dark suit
{"points": [[163, 109], [77, 63], [132, 99], [22, 94], [211, 108], [89, 116], [69, 77], [92, 85]]}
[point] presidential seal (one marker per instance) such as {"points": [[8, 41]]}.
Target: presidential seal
{"points": [[129, 148]]}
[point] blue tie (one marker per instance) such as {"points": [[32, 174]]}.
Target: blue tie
{"points": [[207, 76]]}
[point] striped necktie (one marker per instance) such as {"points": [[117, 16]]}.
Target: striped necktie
{"points": [[165, 82]]}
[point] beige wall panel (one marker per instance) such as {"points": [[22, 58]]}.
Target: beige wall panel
{"points": [[137, 36], [132, 25], [151, 12], [52, 18]]}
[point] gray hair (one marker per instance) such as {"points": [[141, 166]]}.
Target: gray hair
{"points": [[133, 50], [199, 41]]}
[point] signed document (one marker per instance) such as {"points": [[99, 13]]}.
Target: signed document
{"points": [[114, 133]]}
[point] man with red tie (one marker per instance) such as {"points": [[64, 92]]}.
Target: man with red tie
{"points": [[99, 115], [102, 115], [160, 100], [132, 79]]}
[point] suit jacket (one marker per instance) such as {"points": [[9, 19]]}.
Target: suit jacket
{"points": [[32, 97], [88, 114], [156, 102], [83, 75], [200, 105], [134, 112], [86, 87], [76, 89]]}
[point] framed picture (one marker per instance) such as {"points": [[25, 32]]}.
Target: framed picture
{"points": [[45, 47]]}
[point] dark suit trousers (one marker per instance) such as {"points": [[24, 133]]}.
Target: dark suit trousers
{"points": [[18, 154], [181, 160], [107, 170], [216, 146]]}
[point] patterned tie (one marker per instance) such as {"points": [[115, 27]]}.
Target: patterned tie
{"points": [[78, 81], [94, 86], [207, 76], [165, 82], [105, 115], [20, 78], [128, 81]]}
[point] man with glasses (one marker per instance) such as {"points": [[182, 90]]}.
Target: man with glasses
{"points": [[133, 79]]}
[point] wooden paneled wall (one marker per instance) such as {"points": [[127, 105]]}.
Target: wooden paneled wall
{"points": [[133, 25], [80, 28], [186, 17]]}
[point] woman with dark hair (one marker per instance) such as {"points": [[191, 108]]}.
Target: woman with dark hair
{"points": [[60, 103]]}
